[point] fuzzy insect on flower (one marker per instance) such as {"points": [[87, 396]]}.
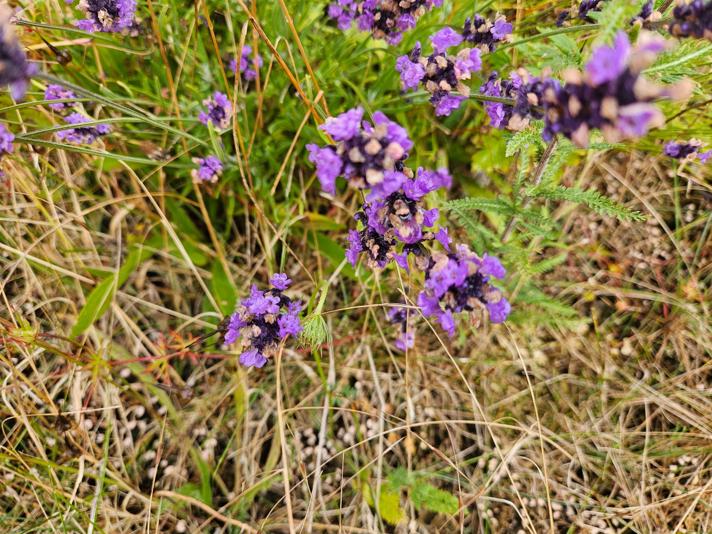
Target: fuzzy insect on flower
{"points": [[368, 155], [692, 18], [460, 282], [397, 226], [82, 134], [524, 89], [262, 321], [108, 16], [485, 34], [610, 95], [440, 73], [385, 19], [219, 111], [689, 150], [209, 169], [57, 92], [6, 139], [248, 64], [15, 70]]}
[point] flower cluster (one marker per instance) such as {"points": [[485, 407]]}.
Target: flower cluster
{"points": [[106, 15], [610, 95], [688, 150], [692, 18], [57, 92], [524, 89], [394, 221], [82, 134], [400, 316], [487, 33], [385, 19], [399, 221], [209, 169], [368, 156], [440, 73], [460, 282], [6, 139], [262, 321], [248, 64], [15, 70], [219, 110]]}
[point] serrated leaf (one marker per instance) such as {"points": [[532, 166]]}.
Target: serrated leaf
{"points": [[315, 331], [593, 199], [523, 139], [616, 14], [494, 205]]}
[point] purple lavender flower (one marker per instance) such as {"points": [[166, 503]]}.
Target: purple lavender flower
{"points": [[6, 139], [219, 111], [440, 73], [368, 155], [248, 65], [485, 34], [399, 221], [562, 17], [57, 92], [460, 282], [106, 15], [209, 169], [610, 95], [15, 71], [444, 39], [526, 91], [705, 156], [686, 150], [385, 19], [262, 321], [692, 18], [82, 134]]}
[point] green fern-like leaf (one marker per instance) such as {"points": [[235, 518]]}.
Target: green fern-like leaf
{"points": [[493, 205], [593, 199], [615, 15], [524, 139], [427, 496]]}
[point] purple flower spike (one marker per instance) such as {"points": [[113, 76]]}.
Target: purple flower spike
{"points": [[57, 92], [248, 65], [486, 34], [459, 282], [219, 111], [6, 139], [263, 321], [209, 169], [280, 281], [366, 155], [107, 15], [688, 150], [445, 38], [82, 134], [692, 18]]}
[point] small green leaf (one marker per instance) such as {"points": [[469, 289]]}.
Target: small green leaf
{"points": [[100, 297]]}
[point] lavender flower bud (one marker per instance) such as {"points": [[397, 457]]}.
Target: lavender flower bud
{"points": [[6, 139], [485, 34]]}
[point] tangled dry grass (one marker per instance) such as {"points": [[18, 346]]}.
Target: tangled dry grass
{"points": [[601, 427]]}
